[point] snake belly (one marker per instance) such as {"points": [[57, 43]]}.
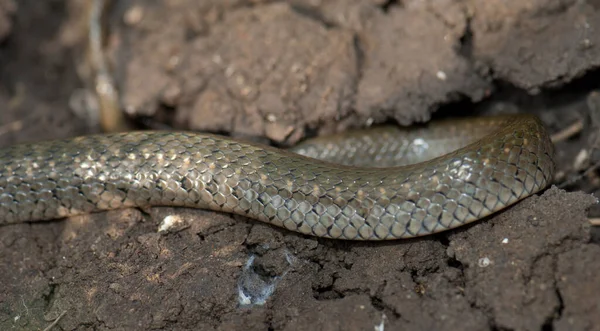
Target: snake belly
{"points": [[495, 162]]}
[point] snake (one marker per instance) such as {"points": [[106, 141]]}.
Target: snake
{"points": [[368, 184]]}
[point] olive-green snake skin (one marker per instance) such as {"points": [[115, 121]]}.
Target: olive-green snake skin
{"points": [[501, 161]]}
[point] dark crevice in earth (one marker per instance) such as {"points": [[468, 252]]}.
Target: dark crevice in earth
{"points": [[443, 239], [348, 292], [377, 302], [217, 229], [256, 249], [379, 305], [454, 263], [505, 91], [456, 108], [554, 92], [391, 3], [455, 102], [466, 41], [360, 59], [587, 82], [263, 273], [326, 293], [564, 94], [414, 276], [547, 326], [558, 312]]}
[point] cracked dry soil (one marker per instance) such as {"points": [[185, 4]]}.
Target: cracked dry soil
{"points": [[280, 71]]}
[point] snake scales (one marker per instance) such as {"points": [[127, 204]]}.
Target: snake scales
{"points": [[495, 162]]}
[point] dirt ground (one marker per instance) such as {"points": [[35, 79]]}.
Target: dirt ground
{"points": [[280, 71]]}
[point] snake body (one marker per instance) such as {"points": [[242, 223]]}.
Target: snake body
{"points": [[496, 162]]}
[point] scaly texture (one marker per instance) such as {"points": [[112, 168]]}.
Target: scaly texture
{"points": [[50, 180]]}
